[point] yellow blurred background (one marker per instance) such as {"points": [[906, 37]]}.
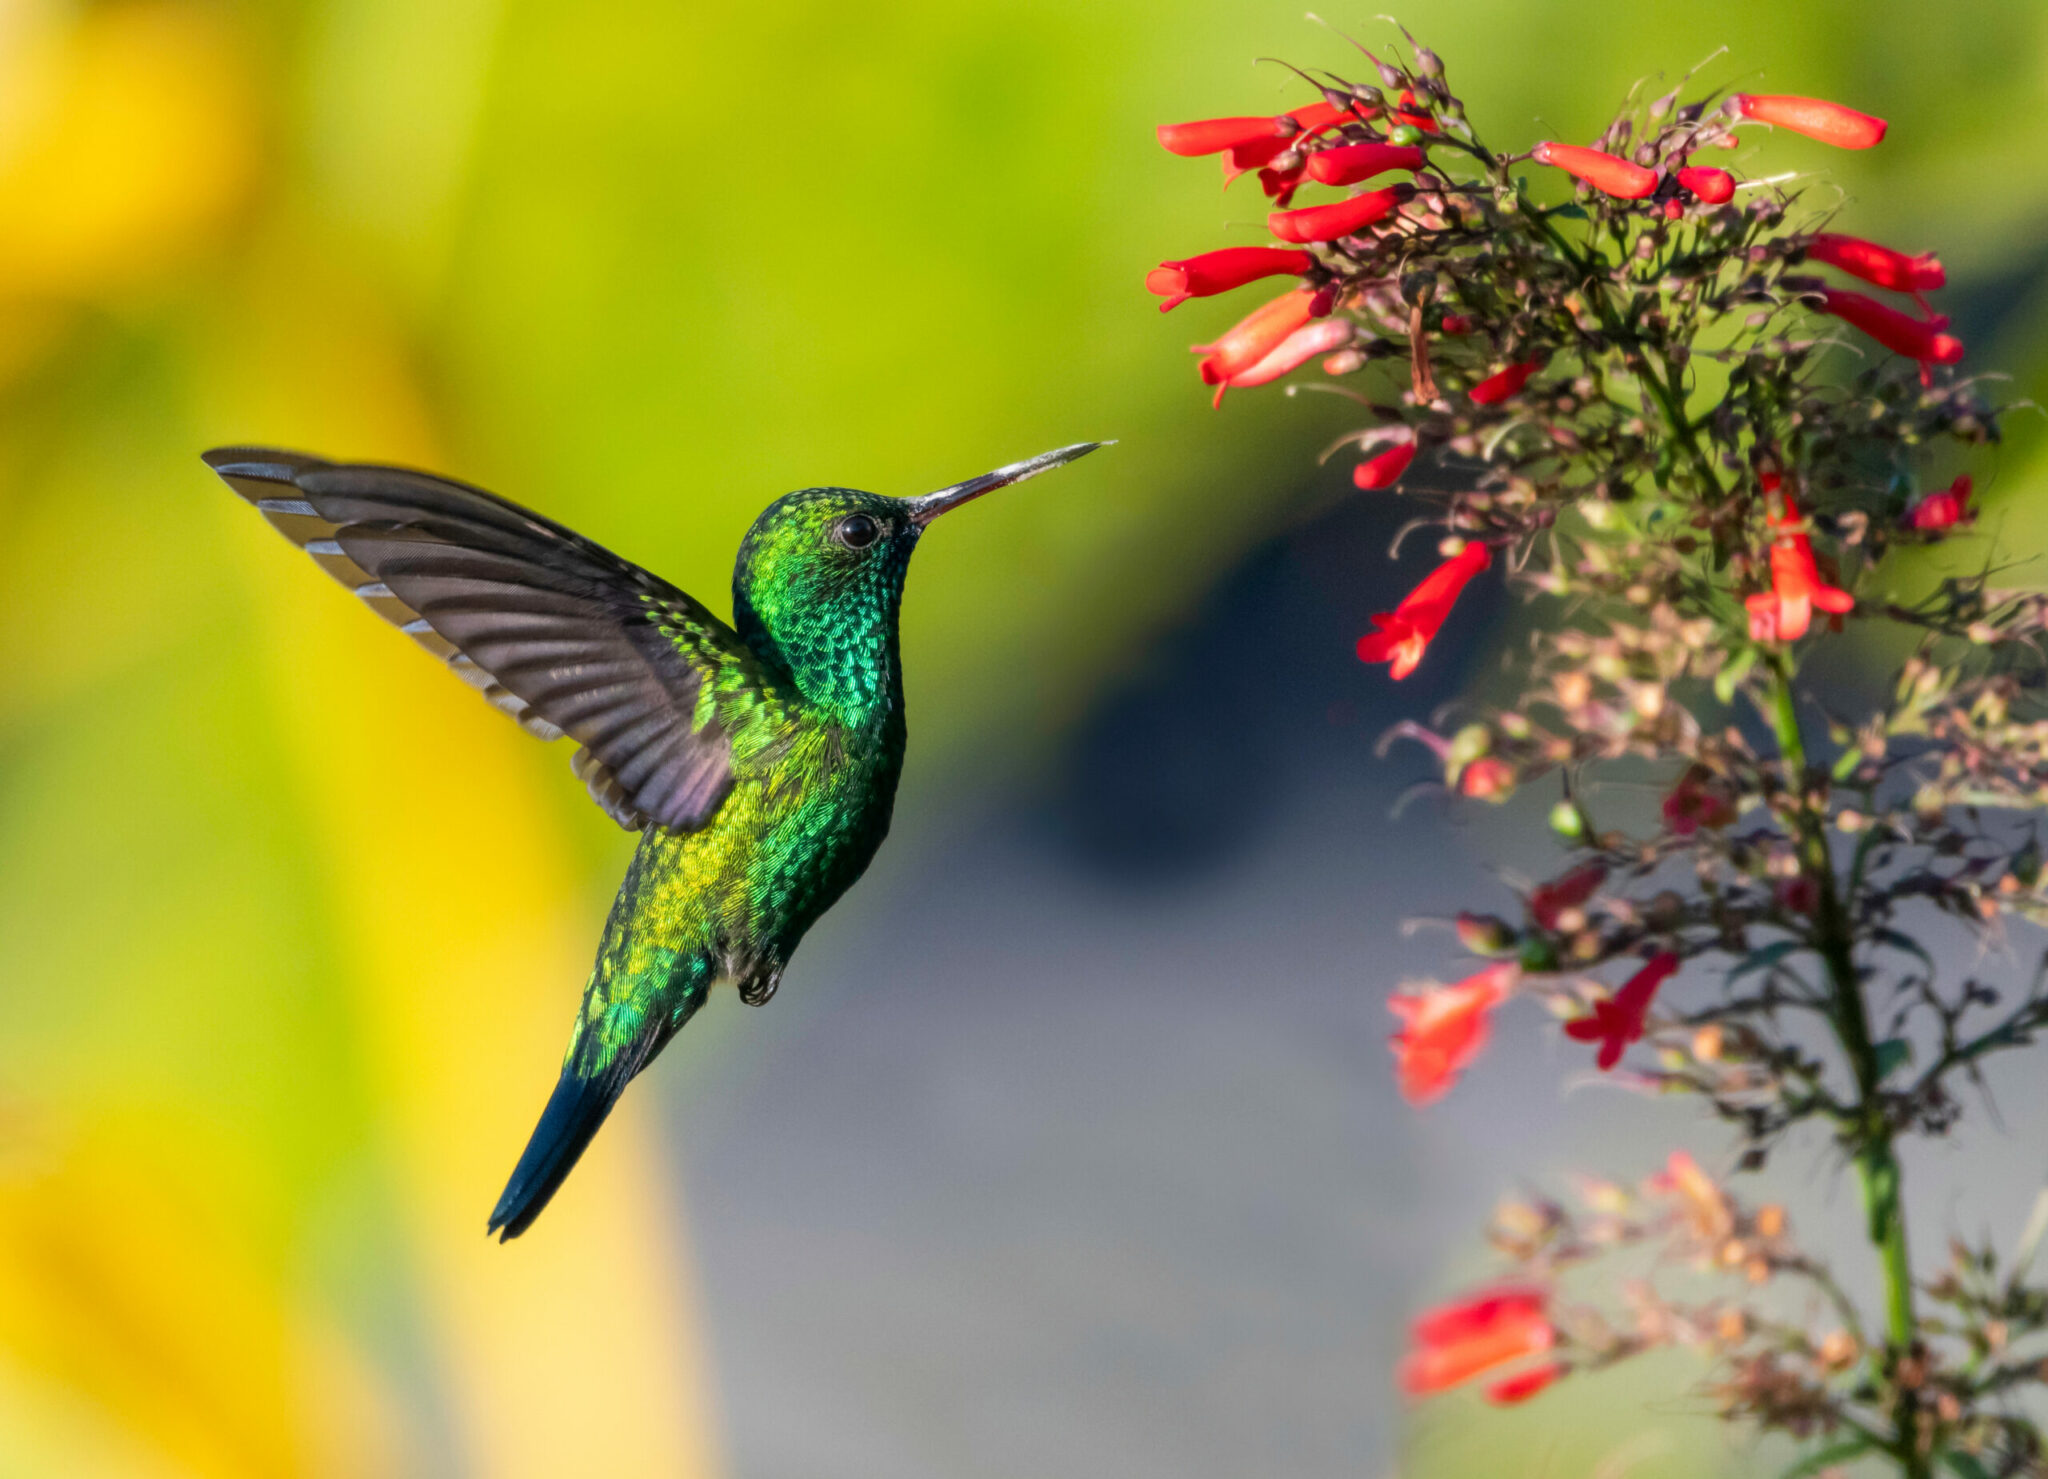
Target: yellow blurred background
{"points": [[290, 925]]}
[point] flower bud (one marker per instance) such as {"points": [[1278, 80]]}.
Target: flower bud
{"points": [[1347, 164], [1220, 271], [1485, 934], [1504, 384], [1831, 123], [1345, 217], [1384, 469], [1604, 172], [1714, 186]]}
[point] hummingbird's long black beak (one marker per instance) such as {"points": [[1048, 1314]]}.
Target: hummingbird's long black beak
{"points": [[924, 510]]}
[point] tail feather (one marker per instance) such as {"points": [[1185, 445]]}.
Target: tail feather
{"points": [[574, 1112], [584, 1096]]}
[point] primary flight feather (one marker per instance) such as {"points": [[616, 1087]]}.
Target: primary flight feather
{"points": [[758, 761]]}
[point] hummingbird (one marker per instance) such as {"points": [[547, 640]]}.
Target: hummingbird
{"points": [[758, 761]]}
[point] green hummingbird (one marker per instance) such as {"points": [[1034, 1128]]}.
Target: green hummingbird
{"points": [[758, 761]]}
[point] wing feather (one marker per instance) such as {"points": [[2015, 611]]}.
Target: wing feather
{"points": [[550, 627]]}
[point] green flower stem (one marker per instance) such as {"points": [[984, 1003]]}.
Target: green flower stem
{"points": [[1877, 1164]]}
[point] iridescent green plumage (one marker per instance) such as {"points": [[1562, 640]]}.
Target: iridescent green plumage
{"points": [[759, 760]]}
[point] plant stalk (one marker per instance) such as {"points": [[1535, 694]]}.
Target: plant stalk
{"points": [[1877, 1164]]}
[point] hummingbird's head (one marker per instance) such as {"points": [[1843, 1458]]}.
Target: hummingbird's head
{"points": [[819, 578]]}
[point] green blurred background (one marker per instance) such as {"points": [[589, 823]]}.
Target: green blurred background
{"points": [[290, 925]]}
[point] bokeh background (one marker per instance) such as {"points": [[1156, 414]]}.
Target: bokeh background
{"points": [[1068, 1146]]}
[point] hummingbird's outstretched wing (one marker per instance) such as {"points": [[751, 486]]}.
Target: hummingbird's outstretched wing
{"points": [[557, 631]]}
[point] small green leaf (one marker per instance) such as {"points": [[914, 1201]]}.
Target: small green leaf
{"points": [[1834, 1453], [1892, 1054], [1763, 959], [1904, 943], [1966, 1465], [1730, 677]]}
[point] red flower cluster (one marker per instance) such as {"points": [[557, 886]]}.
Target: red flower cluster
{"points": [[1455, 1342]]}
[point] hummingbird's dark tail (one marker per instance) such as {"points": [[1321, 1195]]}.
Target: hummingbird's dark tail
{"points": [[574, 1113]]}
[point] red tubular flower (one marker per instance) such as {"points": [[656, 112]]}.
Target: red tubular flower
{"points": [[1342, 218], [1312, 120], [1878, 265], [1548, 901], [1943, 510], [1785, 611], [1831, 123], [1421, 122], [1901, 333], [1618, 1021], [1249, 141], [1605, 172], [1525, 1384], [1219, 272], [1349, 163], [1255, 336], [1503, 384], [1214, 135], [1714, 186], [1279, 185], [1443, 1029], [1456, 1342], [1296, 350], [1385, 469], [1406, 631], [1457, 323]]}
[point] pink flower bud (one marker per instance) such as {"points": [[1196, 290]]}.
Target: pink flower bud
{"points": [[1901, 333], [1350, 163], [1714, 186], [1328, 222], [1219, 272], [1831, 123], [1605, 172], [1878, 265], [1296, 350], [1504, 384]]}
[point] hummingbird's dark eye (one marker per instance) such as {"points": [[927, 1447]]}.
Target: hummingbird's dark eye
{"points": [[856, 531]]}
